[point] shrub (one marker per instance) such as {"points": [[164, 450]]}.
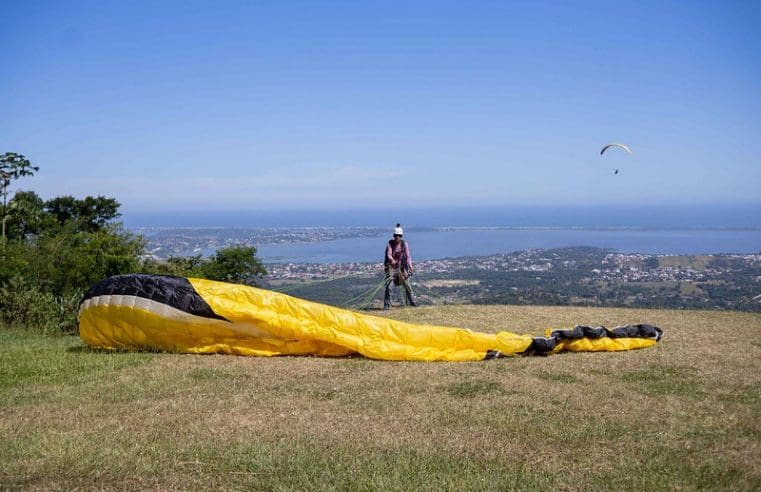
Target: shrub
{"points": [[237, 264], [26, 306]]}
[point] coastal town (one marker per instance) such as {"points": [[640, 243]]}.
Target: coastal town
{"points": [[615, 266], [568, 276], [164, 242]]}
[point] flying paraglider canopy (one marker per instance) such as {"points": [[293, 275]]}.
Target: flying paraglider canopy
{"points": [[616, 145]]}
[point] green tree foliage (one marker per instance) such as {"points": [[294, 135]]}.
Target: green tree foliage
{"points": [[70, 260], [651, 262], [48, 272], [13, 261], [181, 266], [56, 249], [12, 167], [90, 214], [26, 216], [26, 305], [237, 264]]}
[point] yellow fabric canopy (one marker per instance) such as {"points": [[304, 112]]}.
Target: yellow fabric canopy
{"points": [[202, 316]]}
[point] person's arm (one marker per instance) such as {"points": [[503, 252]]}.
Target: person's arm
{"points": [[409, 256], [389, 255]]}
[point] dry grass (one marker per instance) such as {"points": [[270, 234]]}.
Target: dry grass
{"points": [[685, 414]]}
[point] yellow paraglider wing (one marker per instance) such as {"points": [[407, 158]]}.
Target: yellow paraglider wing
{"points": [[202, 316]]}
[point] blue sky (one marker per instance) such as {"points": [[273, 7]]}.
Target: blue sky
{"points": [[251, 105]]}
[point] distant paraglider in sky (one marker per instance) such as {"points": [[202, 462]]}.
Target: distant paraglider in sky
{"points": [[627, 149], [616, 145]]}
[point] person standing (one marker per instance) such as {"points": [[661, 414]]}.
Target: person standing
{"points": [[398, 267]]}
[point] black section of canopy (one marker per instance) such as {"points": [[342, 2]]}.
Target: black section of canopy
{"points": [[547, 344], [492, 354], [177, 292]]}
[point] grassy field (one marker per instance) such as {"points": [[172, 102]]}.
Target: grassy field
{"points": [[683, 415]]}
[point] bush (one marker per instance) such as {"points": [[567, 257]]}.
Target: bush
{"points": [[24, 305], [237, 264], [180, 266], [71, 261]]}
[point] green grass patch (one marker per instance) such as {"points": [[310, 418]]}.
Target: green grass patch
{"points": [[31, 360], [698, 262], [470, 389], [666, 380], [554, 377], [746, 396], [215, 375]]}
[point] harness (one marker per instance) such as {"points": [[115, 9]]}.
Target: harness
{"points": [[403, 261]]}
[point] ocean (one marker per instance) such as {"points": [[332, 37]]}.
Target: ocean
{"points": [[485, 231], [430, 245], [641, 216]]}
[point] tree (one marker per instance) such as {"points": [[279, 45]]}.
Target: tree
{"points": [[651, 262], [12, 167], [66, 260], [63, 208], [56, 249], [237, 264], [90, 214], [180, 266], [26, 216]]}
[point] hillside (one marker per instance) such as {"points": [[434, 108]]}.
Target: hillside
{"points": [[685, 414]]}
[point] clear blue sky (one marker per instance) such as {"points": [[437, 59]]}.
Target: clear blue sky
{"points": [[245, 105]]}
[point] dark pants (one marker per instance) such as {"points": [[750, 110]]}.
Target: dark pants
{"points": [[399, 278]]}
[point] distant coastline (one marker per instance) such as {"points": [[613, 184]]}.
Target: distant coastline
{"points": [[355, 234], [362, 244]]}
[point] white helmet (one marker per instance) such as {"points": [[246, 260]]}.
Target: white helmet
{"points": [[398, 231]]}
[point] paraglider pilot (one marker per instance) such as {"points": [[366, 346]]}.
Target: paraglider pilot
{"points": [[398, 267]]}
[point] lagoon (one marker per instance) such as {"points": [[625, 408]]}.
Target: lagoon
{"points": [[454, 242]]}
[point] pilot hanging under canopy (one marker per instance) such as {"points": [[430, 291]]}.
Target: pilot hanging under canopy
{"points": [[616, 145]]}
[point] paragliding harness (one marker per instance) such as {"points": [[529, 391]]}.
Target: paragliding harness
{"points": [[398, 275], [402, 272]]}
